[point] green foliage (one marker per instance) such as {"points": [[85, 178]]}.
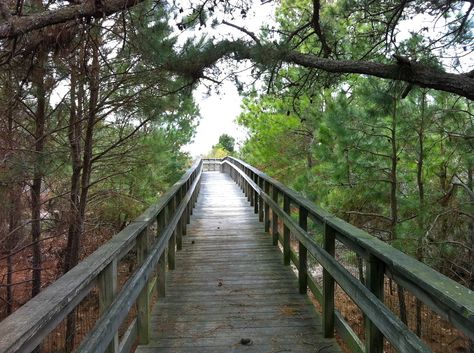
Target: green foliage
{"points": [[227, 142], [338, 149]]}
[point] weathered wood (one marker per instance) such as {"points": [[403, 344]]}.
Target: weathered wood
{"points": [[453, 302], [303, 253], [161, 268], [275, 217], [129, 338], [107, 284], [24, 330], [255, 194], [172, 241], [179, 227], [286, 232], [230, 283], [375, 282], [266, 220], [260, 201], [328, 284], [143, 302], [391, 326], [99, 338]]}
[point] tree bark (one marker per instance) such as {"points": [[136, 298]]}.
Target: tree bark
{"points": [[421, 200], [38, 80], [394, 202], [13, 198], [415, 73]]}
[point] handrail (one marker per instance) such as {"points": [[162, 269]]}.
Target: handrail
{"points": [[25, 329], [448, 298]]}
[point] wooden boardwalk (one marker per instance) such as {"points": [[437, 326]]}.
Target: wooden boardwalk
{"points": [[230, 284]]}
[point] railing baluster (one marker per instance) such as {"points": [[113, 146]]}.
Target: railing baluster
{"points": [[143, 301], [260, 200], [328, 284], [275, 216], [303, 253], [266, 220], [179, 226], [161, 268], [255, 193], [107, 283], [375, 282], [172, 241], [286, 232]]}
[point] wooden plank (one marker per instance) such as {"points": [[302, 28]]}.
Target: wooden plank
{"points": [[328, 284], [143, 301], [303, 253], [449, 299], [275, 217], [230, 284], [375, 282], [161, 268], [26, 328], [107, 283], [286, 232]]}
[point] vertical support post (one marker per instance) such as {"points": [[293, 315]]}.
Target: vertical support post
{"points": [[189, 208], [275, 216], [303, 253], [375, 281], [260, 200], [143, 301], [286, 232], [179, 225], [266, 221], [249, 190], [107, 283], [329, 241], [172, 241], [255, 193], [161, 268]]}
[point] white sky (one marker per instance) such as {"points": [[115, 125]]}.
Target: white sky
{"points": [[218, 113], [220, 109]]}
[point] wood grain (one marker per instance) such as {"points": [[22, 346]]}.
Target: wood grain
{"points": [[230, 283]]}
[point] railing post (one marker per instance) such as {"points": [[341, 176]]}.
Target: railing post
{"points": [[189, 206], [143, 301], [249, 192], [275, 216], [303, 253], [161, 268], [375, 282], [172, 241], [286, 232], [328, 284], [255, 193], [179, 225], [266, 220], [260, 200], [107, 283]]}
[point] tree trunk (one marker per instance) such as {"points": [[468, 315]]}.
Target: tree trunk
{"points": [[40, 121], [421, 200], [394, 202], [80, 178], [13, 198], [470, 184]]}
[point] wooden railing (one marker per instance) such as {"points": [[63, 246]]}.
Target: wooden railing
{"points": [[449, 299], [154, 236]]}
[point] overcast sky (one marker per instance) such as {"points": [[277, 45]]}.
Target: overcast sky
{"points": [[220, 109]]}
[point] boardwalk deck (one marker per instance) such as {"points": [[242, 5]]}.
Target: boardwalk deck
{"points": [[230, 284]]}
